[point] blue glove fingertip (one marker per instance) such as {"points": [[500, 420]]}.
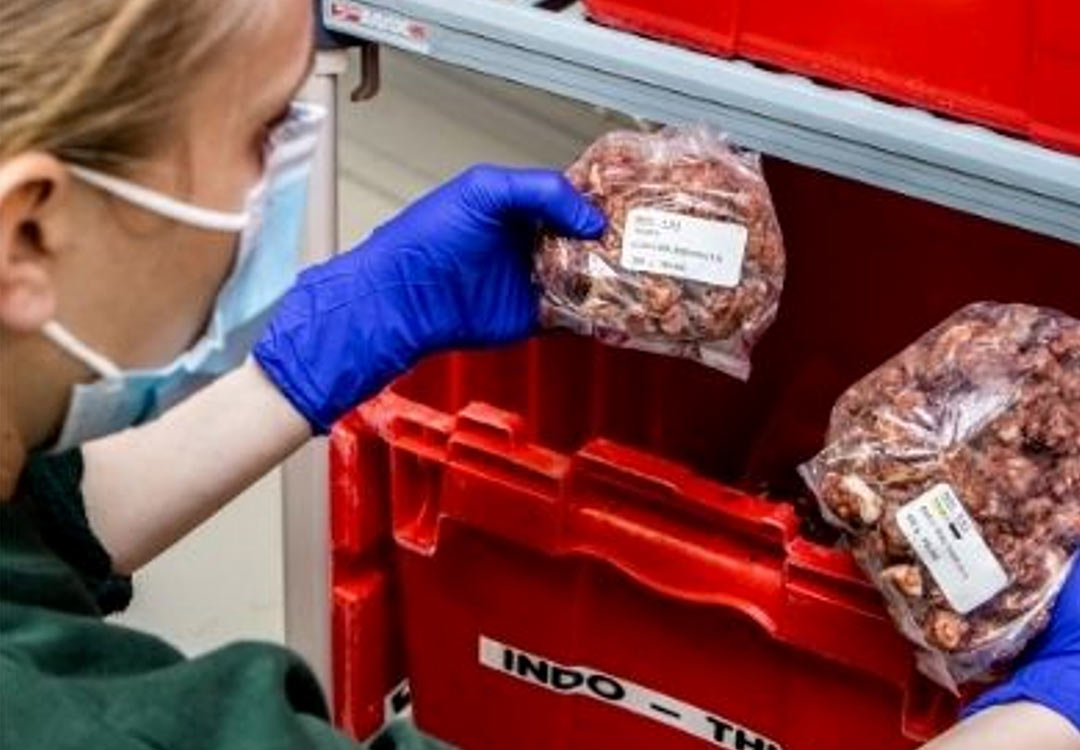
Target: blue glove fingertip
{"points": [[548, 195], [586, 220], [594, 222]]}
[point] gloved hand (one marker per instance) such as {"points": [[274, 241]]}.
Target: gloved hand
{"points": [[453, 269], [1049, 670]]}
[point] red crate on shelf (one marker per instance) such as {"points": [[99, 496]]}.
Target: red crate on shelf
{"points": [[609, 598], [365, 614], [1010, 64], [577, 523]]}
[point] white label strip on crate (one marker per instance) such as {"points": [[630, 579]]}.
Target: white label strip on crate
{"points": [[586, 682], [397, 703]]}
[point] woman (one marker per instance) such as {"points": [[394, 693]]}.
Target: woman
{"points": [[151, 189]]}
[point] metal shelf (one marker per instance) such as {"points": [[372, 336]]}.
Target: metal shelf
{"points": [[899, 148]]}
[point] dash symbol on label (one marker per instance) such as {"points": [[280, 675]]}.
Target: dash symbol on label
{"points": [[665, 710]]}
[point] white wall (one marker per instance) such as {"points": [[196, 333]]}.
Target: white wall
{"points": [[224, 582]]}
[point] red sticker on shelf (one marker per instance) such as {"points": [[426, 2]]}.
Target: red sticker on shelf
{"points": [[377, 25]]}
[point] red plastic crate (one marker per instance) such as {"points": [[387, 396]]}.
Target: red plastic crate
{"points": [[366, 637], [1011, 64], [603, 508], [613, 599]]}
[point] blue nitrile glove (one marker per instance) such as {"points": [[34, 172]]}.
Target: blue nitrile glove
{"points": [[452, 270], [1049, 670]]}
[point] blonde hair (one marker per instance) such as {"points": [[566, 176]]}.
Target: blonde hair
{"points": [[99, 82]]}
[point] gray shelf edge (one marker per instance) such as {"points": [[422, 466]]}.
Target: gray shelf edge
{"points": [[904, 149]]}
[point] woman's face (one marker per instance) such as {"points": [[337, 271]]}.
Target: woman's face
{"points": [[134, 286]]}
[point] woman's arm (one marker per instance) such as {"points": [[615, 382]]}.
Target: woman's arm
{"points": [[451, 270], [147, 487], [1012, 726]]}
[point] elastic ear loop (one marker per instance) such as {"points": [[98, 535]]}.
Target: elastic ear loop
{"points": [[60, 336], [164, 205]]}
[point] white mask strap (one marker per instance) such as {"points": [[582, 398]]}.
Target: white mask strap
{"points": [[161, 204], [63, 338]]}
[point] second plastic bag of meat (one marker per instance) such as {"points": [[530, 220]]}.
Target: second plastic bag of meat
{"points": [[955, 470], [692, 263]]}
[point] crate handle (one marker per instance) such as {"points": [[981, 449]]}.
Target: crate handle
{"points": [[750, 583], [678, 534], [633, 478], [613, 504]]}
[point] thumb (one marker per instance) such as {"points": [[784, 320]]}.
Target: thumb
{"points": [[547, 195]]}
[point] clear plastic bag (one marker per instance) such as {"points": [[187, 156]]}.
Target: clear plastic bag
{"points": [[954, 470], [692, 263]]}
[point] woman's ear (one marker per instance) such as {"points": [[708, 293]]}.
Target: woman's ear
{"points": [[33, 229]]}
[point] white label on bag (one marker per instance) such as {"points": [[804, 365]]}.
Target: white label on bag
{"points": [[682, 246], [948, 543], [615, 691]]}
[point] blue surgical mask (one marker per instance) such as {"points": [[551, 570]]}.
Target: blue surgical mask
{"points": [[266, 262]]}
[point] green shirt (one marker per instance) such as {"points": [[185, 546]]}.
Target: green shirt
{"points": [[68, 679]]}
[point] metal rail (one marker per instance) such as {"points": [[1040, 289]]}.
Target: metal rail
{"points": [[899, 148], [305, 476]]}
